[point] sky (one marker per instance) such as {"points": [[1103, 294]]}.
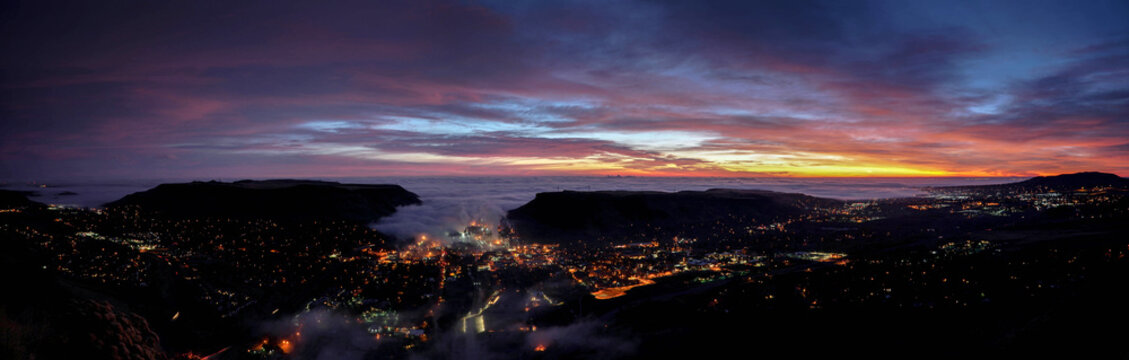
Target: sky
{"points": [[131, 89]]}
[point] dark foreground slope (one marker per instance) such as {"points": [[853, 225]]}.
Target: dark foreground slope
{"points": [[571, 215], [53, 319], [47, 317], [278, 199]]}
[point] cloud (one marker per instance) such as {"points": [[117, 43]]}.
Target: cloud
{"points": [[436, 87]]}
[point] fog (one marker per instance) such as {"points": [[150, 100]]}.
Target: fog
{"points": [[450, 203]]}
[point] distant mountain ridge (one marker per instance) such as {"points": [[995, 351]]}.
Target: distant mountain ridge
{"points": [[284, 199], [1088, 179], [572, 215], [1063, 182]]}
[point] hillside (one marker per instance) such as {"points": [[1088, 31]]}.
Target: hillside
{"points": [[278, 199], [1059, 183], [571, 215]]}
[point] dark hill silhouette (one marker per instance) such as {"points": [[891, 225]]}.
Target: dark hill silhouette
{"points": [[16, 199], [1061, 183], [277, 199], [571, 215], [1082, 179]]}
